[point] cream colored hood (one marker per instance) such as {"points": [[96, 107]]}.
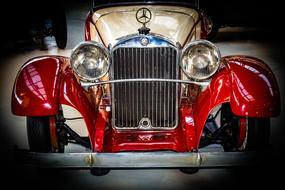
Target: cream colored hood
{"points": [[179, 24]]}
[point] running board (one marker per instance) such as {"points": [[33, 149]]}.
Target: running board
{"points": [[125, 160]]}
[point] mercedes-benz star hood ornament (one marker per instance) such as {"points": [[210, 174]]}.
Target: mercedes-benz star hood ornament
{"points": [[143, 16]]}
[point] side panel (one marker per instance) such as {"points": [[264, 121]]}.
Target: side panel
{"points": [[36, 87]]}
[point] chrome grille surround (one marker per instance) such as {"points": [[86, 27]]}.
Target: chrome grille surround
{"points": [[145, 104]]}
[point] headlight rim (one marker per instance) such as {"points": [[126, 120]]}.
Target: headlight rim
{"points": [[102, 47], [194, 43]]}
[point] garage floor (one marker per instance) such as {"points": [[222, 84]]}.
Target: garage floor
{"points": [[245, 41]]}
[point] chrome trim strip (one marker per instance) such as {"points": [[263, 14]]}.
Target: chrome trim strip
{"points": [[87, 84]]}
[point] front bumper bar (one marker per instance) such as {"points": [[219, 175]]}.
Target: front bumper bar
{"points": [[125, 160]]}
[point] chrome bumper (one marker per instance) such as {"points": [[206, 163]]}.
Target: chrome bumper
{"points": [[138, 160]]}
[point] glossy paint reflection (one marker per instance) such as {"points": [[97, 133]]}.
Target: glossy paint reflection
{"points": [[254, 87], [36, 88], [33, 81]]}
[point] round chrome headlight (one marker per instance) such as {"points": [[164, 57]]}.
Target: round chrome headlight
{"points": [[200, 59], [90, 60]]}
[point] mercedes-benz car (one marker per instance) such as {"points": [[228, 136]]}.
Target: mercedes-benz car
{"points": [[153, 92]]}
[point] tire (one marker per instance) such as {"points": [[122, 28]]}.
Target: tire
{"points": [[257, 132], [99, 171], [60, 28], [189, 170], [39, 134]]}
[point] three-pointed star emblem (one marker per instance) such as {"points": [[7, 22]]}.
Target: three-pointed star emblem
{"points": [[143, 15]]}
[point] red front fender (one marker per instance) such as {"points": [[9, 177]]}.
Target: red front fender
{"points": [[43, 84], [247, 84], [255, 91], [36, 87]]}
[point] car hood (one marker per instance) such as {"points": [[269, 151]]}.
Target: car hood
{"points": [[173, 22]]}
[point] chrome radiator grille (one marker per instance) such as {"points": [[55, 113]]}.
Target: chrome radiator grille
{"points": [[144, 105]]}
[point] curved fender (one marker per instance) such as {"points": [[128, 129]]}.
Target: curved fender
{"points": [[255, 91], [43, 84], [72, 94], [246, 83], [216, 93], [36, 87]]}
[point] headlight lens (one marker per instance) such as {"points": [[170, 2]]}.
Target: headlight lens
{"points": [[90, 60], [200, 59]]}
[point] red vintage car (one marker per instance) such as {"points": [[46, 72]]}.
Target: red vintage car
{"points": [[153, 92]]}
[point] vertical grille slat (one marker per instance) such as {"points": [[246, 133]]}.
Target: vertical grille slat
{"points": [[133, 90], [156, 94], [150, 100], [172, 94], [168, 69], [137, 99]]}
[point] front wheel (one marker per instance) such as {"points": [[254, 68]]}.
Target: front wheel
{"points": [[42, 134], [244, 133]]}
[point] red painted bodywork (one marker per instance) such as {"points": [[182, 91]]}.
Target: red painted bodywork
{"points": [[44, 83], [36, 88], [255, 92], [87, 27]]}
